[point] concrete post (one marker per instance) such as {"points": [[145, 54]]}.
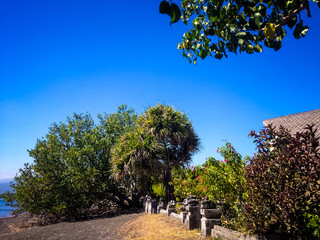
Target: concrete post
{"points": [[193, 219], [142, 202], [209, 218], [171, 207], [160, 205], [148, 205], [153, 206], [184, 216], [191, 204]]}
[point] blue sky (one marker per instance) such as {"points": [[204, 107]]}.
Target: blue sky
{"points": [[59, 57]]}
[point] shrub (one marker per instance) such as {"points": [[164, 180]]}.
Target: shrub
{"points": [[219, 181], [226, 184], [225, 179], [283, 183], [189, 182], [158, 190], [70, 175]]}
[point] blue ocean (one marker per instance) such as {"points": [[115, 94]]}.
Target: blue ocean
{"points": [[5, 210]]}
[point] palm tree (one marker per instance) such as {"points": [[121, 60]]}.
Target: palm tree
{"points": [[175, 134], [134, 160], [163, 138]]}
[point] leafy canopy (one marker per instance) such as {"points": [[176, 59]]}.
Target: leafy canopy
{"points": [[221, 26], [162, 138], [71, 169]]}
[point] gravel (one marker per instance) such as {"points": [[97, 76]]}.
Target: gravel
{"points": [[101, 228]]}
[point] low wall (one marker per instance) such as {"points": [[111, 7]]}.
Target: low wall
{"points": [[210, 227], [163, 211], [205, 219], [228, 234], [176, 215]]}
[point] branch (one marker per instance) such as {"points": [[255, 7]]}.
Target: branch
{"points": [[292, 15], [276, 7], [306, 6]]}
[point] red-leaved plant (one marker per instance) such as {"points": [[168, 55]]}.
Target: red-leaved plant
{"points": [[283, 183]]}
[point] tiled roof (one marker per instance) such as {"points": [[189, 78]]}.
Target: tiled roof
{"points": [[297, 122]]}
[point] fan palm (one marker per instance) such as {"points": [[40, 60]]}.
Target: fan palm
{"points": [[176, 136], [163, 138]]}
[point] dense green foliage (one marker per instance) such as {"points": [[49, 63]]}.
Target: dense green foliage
{"points": [[135, 162], [3, 195], [277, 190], [80, 168], [71, 170], [220, 181], [163, 138], [283, 184], [221, 26]]}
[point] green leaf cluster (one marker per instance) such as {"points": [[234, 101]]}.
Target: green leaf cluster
{"points": [[6, 194], [217, 27], [172, 10]]}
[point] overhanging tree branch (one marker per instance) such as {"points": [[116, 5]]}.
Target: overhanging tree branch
{"points": [[291, 15]]}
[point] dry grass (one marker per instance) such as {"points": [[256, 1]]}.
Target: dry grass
{"points": [[157, 227]]}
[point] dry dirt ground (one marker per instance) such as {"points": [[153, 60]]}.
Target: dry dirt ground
{"points": [[127, 226], [158, 227], [100, 228]]}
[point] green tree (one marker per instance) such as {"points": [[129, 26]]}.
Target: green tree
{"points": [[174, 132], [163, 139], [221, 26], [71, 169], [135, 160]]}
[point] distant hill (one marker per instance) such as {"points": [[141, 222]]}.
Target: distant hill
{"points": [[5, 185]]}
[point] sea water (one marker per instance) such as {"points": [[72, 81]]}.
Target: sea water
{"points": [[5, 211]]}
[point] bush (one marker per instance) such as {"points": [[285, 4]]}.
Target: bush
{"points": [[70, 174], [158, 190], [283, 183], [189, 182], [219, 181], [226, 184]]}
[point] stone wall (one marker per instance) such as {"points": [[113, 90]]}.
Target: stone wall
{"points": [[228, 234], [193, 215], [202, 216]]}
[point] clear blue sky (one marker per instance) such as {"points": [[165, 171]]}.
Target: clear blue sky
{"points": [[59, 57]]}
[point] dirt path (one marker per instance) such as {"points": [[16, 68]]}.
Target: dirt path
{"points": [[103, 228], [158, 227]]}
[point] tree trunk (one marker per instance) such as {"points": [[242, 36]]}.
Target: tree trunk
{"points": [[119, 198], [169, 188]]}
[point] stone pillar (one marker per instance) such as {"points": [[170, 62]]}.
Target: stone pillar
{"points": [[160, 205], [142, 202], [171, 207], [184, 216], [148, 203], [154, 206], [193, 218], [148, 206], [209, 218]]}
